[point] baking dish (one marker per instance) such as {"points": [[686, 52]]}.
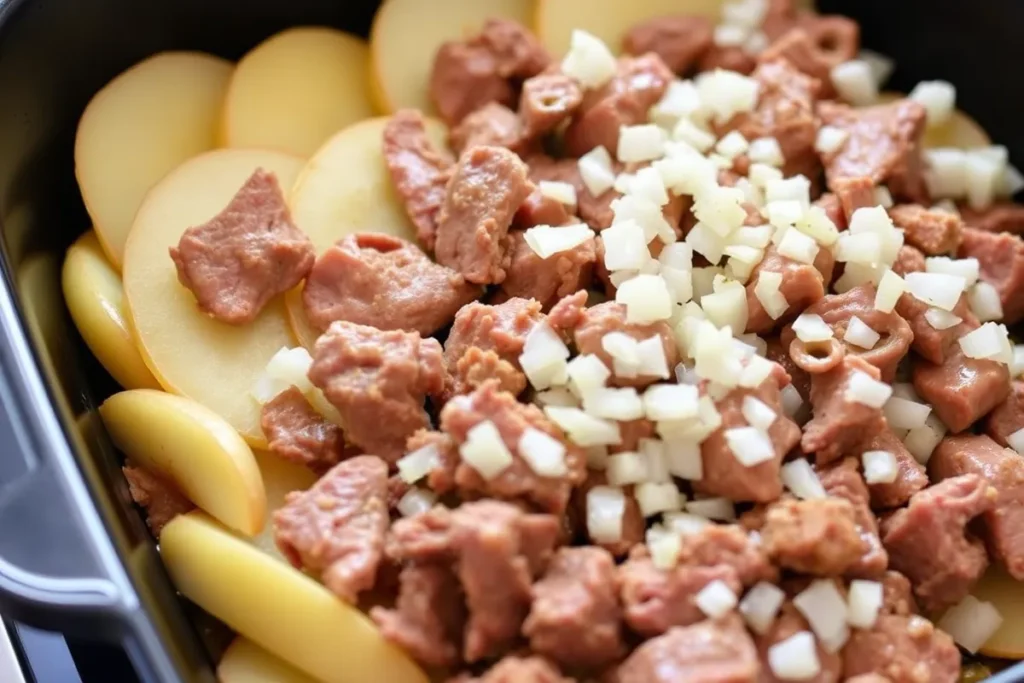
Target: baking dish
{"points": [[74, 554]]}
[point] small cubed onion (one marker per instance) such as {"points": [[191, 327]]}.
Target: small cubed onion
{"points": [[716, 599], [720, 509], [595, 169], [799, 247], [546, 241], [651, 353], [795, 658], [938, 99], [767, 152], [940, 319], [418, 464], [627, 468], [485, 451], [767, 292], [646, 298], [606, 507], [971, 622], [760, 605], [749, 445], [921, 441], [727, 93], [623, 404], [830, 139], [644, 142], [863, 602], [589, 60], [584, 430], [990, 341], [625, 246], [587, 373], [967, 268], [824, 608], [664, 546], [880, 467], [890, 288], [563, 193], [866, 390], [543, 453], [855, 82], [903, 413], [654, 498], [802, 480], [670, 402], [1016, 440], [859, 334], [985, 302], [810, 327], [415, 501], [757, 413], [684, 459]]}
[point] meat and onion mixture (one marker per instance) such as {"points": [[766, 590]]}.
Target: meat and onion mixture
{"points": [[698, 369]]}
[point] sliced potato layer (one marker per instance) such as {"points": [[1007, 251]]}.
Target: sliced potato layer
{"points": [[193, 447], [407, 33], [145, 122], [278, 607], [1007, 594], [296, 89], [95, 298], [280, 477], [188, 352], [246, 662]]}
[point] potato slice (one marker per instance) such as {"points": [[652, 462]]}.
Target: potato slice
{"points": [[278, 607], [140, 126], [193, 447], [95, 298], [1007, 594], [296, 89], [303, 329], [959, 131], [610, 20], [246, 662], [280, 477], [407, 33], [188, 352]]}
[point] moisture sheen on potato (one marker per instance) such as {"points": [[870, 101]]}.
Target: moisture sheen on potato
{"points": [[140, 126], [188, 352], [193, 447], [407, 33], [296, 89], [278, 607], [280, 477], [95, 298], [246, 662]]}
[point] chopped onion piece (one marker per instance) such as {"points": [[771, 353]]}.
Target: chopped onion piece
{"points": [[286, 368], [760, 605], [587, 372], [730, 35], [971, 623], [596, 171], [982, 176], [648, 185], [716, 599], [863, 601], [936, 289], [902, 413], [890, 288], [749, 445], [823, 606], [415, 501], [646, 298], [755, 372], [680, 100], [765, 151], [664, 546], [795, 658], [644, 142], [967, 268], [670, 402], [559, 396], [720, 209], [810, 327], [1017, 366], [626, 468], [690, 133], [1016, 440], [705, 242], [855, 82], [880, 467], [767, 292], [622, 404], [818, 226], [940, 319], [727, 307], [830, 139], [651, 352], [625, 353], [865, 247], [485, 451], [727, 93], [544, 454], [589, 60], [990, 341], [584, 430], [418, 464], [546, 241], [720, 509], [563, 193], [653, 498], [799, 247], [859, 334], [802, 480], [606, 507], [864, 389], [883, 197], [625, 246], [946, 174], [985, 302], [757, 413], [653, 452], [684, 459], [921, 441], [732, 145], [938, 99], [792, 401]]}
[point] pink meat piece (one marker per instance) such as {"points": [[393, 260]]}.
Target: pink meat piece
{"points": [[295, 431], [853, 194], [419, 172], [961, 390], [539, 209], [908, 260], [1002, 216], [728, 58], [709, 652], [818, 537], [779, 353], [802, 285], [161, 499], [884, 144], [515, 669], [833, 208], [548, 99], [336, 529], [933, 231], [518, 481], [637, 86], [897, 595], [428, 617], [679, 40], [910, 478], [929, 543], [547, 280], [243, 257], [788, 623], [798, 47], [575, 619], [493, 124], [1001, 468], [842, 480], [378, 382], [487, 188], [904, 649], [931, 344], [839, 422], [1001, 257], [384, 282], [496, 550], [1007, 417], [633, 523]]}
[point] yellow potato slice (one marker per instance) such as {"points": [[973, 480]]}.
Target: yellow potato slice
{"points": [[278, 607], [1007, 594], [280, 477], [95, 298], [296, 89], [193, 447], [188, 352], [140, 126], [407, 33], [303, 329], [959, 131], [610, 20], [246, 662]]}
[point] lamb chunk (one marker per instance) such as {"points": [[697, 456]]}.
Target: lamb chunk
{"points": [[1001, 468], [817, 537], [853, 194], [515, 669], [429, 616], [378, 382], [494, 125], [594, 211], [336, 529], [799, 47], [709, 652], [837, 310], [932, 344], [962, 389], [537, 209], [839, 422], [728, 58], [384, 282], [897, 595], [802, 285], [547, 280], [910, 478], [158, 497], [297, 432], [933, 231], [679, 40], [884, 144], [638, 85], [633, 524], [477, 366], [1002, 216], [1007, 417], [519, 53], [903, 650], [908, 260], [788, 623], [419, 172], [842, 480], [575, 619], [243, 257], [517, 482], [779, 354], [486, 189], [833, 208], [928, 541], [501, 329], [728, 544], [724, 474], [548, 99], [1001, 257], [785, 111]]}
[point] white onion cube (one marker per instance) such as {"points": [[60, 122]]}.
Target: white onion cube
{"points": [[864, 601], [880, 467], [716, 599], [795, 658]]}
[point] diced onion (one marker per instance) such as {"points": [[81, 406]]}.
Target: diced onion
{"points": [[760, 605], [810, 327], [767, 292], [698, 138], [863, 602], [286, 368], [890, 288], [720, 509], [792, 401], [649, 185], [485, 451], [880, 467], [685, 523], [664, 546], [651, 352], [938, 99], [946, 174], [730, 35], [546, 241], [755, 372], [749, 445], [706, 242], [589, 60], [1016, 440], [971, 623], [765, 151], [799, 247], [625, 353], [625, 246], [564, 193], [623, 404], [757, 413], [727, 93], [967, 268], [584, 430], [684, 459], [830, 139], [802, 480], [865, 247], [653, 498], [818, 226], [544, 454], [921, 441], [655, 461], [902, 413], [883, 197], [940, 319], [670, 402], [716, 599], [644, 142], [646, 298], [727, 307], [1017, 366], [732, 145], [559, 396], [418, 464], [680, 100], [587, 373], [866, 390], [875, 220], [855, 82], [859, 334], [720, 209], [936, 289], [416, 501], [596, 171], [985, 302], [626, 468], [606, 506], [982, 177], [990, 341], [795, 658], [824, 608]]}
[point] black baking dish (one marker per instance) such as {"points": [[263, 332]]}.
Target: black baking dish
{"points": [[74, 554]]}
